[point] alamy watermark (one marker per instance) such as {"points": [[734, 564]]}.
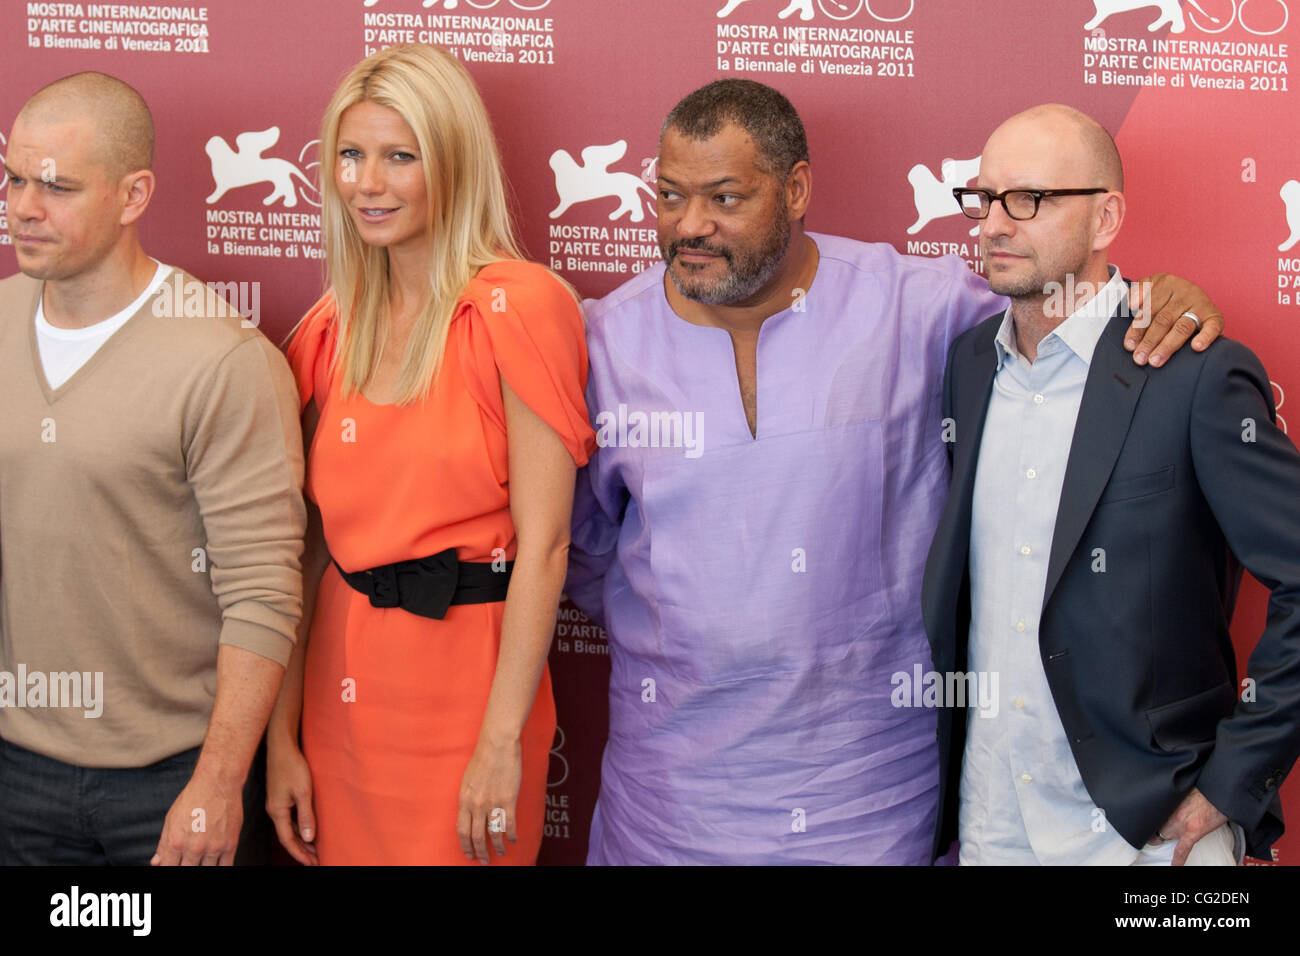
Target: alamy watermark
{"points": [[1065, 299], [975, 689], [35, 689], [624, 428], [74, 908], [178, 298]]}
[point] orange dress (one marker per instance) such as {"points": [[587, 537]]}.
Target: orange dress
{"points": [[392, 702]]}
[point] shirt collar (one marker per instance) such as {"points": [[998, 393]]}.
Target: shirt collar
{"points": [[1079, 332]]}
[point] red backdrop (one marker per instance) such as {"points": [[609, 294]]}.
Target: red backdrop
{"points": [[1198, 95]]}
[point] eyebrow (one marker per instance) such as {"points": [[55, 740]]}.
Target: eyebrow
{"points": [[1009, 189], [713, 185], [408, 147], [12, 173]]}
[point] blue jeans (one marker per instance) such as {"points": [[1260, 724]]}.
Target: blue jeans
{"points": [[53, 813]]}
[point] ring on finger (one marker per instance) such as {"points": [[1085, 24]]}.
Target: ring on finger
{"points": [[497, 820]]}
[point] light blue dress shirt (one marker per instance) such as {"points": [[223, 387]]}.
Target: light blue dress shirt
{"points": [[1022, 798]]}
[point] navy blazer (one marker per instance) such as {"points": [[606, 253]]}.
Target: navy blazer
{"points": [[1176, 473]]}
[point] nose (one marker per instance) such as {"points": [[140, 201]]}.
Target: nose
{"points": [[369, 177], [997, 222], [696, 221], [25, 203]]}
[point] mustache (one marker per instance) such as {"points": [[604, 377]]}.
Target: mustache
{"points": [[696, 245], [996, 246]]}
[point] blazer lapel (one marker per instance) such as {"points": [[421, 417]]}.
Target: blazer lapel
{"points": [[970, 408], [971, 383], [1110, 396]]}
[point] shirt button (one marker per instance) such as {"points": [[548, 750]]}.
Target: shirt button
{"points": [[1031, 473], [1038, 399], [1025, 778], [1020, 626], [1020, 702], [1024, 549]]}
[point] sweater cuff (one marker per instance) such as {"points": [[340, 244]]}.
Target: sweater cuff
{"points": [[263, 641]]}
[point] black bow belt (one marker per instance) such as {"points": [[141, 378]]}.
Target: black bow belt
{"points": [[428, 586]]}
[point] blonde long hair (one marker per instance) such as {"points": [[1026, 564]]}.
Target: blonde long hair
{"points": [[469, 219]]}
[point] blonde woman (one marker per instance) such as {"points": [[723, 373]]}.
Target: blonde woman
{"points": [[441, 379]]}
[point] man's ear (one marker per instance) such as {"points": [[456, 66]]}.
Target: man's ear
{"points": [[1110, 217], [136, 190], [798, 189]]}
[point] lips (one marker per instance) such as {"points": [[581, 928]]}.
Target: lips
{"points": [[31, 245], [375, 213], [696, 256], [1003, 255]]}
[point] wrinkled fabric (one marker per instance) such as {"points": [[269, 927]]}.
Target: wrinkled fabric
{"points": [[1023, 800], [761, 593]]}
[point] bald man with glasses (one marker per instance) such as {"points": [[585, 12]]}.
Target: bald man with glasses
{"points": [[1091, 546]]}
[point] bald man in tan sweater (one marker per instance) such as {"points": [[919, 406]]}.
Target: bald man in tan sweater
{"points": [[151, 515]]}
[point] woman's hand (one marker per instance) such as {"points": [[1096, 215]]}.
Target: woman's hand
{"points": [[542, 476], [288, 788], [490, 784]]}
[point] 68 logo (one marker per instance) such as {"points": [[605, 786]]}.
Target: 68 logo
{"points": [[1266, 17]]}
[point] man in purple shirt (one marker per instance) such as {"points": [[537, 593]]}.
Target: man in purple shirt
{"points": [[759, 575]]}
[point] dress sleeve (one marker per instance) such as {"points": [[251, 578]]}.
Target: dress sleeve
{"points": [[519, 323], [310, 351]]}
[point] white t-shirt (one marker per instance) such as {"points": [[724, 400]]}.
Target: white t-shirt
{"points": [[63, 351]]}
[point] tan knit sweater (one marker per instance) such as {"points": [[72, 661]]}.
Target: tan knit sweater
{"points": [[150, 510]]}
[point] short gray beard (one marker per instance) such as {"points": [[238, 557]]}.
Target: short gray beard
{"points": [[739, 285]]}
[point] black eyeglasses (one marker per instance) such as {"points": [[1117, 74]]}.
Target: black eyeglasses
{"points": [[1020, 204]]}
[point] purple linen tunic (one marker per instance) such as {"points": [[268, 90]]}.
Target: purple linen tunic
{"points": [[759, 593]]}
